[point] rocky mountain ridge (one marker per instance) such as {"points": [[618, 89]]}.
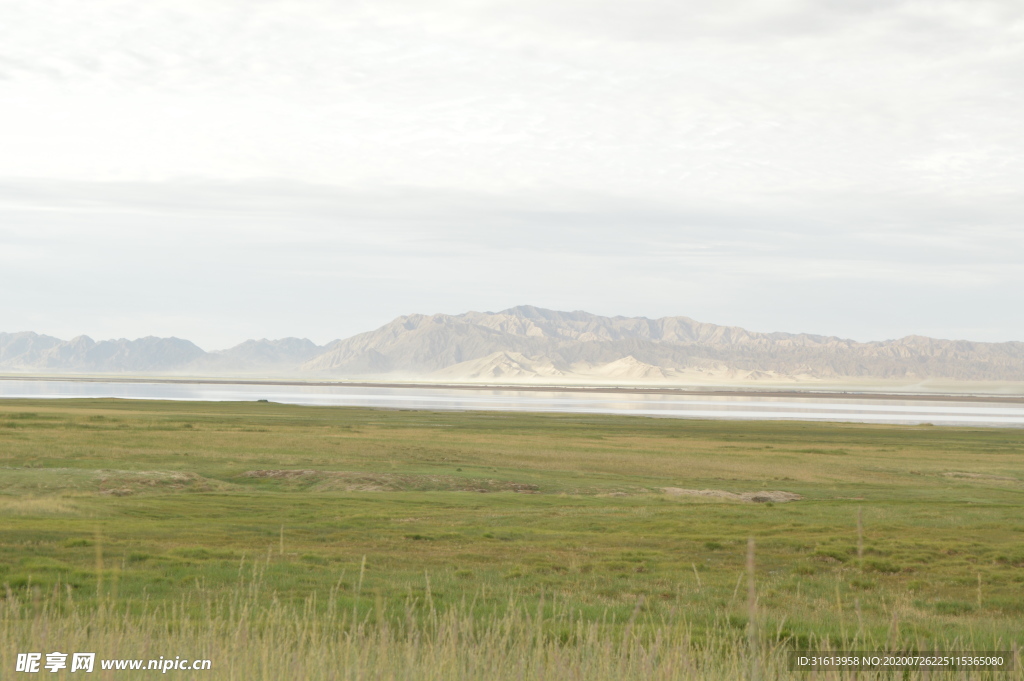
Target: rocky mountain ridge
{"points": [[528, 343]]}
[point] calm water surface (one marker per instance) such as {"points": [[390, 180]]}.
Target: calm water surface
{"points": [[675, 406]]}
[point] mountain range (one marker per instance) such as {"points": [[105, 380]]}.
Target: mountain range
{"points": [[532, 344]]}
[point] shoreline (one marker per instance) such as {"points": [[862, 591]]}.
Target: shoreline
{"points": [[715, 391]]}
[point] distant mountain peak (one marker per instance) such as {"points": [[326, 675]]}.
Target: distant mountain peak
{"points": [[533, 343]]}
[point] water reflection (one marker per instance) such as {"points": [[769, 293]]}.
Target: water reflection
{"points": [[665, 405]]}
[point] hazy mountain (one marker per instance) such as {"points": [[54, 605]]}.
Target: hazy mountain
{"points": [[30, 351], [525, 342], [280, 351], [283, 355], [528, 343], [25, 349]]}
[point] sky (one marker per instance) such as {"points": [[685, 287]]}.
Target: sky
{"points": [[228, 169]]}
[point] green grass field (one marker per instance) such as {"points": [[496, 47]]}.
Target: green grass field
{"points": [[304, 542]]}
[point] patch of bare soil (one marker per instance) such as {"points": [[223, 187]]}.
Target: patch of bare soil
{"points": [[121, 483], [978, 476], [352, 481], [777, 497], [279, 475]]}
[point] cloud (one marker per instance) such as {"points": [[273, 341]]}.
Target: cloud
{"points": [[271, 259], [738, 97], [278, 166]]}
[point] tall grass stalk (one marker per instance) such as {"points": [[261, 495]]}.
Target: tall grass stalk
{"points": [[251, 634], [752, 633]]}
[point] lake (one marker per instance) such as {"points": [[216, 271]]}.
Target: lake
{"points": [[805, 407]]}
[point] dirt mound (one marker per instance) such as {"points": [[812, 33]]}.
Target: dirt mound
{"points": [[122, 483], [109, 481], [979, 476], [278, 475], [354, 481], [755, 497]]}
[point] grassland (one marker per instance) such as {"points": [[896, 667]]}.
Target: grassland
{"points": [[305, 542]]}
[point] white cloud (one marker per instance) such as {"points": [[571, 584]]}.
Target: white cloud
{"points": [[268, 168]]}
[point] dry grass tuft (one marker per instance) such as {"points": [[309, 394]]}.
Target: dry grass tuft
{"points": [[38, 506], [354, 481], [755, 497]]}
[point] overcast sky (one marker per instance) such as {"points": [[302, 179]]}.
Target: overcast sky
{"points": [[221, 170]]}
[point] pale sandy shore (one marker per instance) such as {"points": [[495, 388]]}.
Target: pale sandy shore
{"points": [[859, 393]]}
